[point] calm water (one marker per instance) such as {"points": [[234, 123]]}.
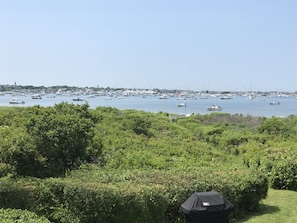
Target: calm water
{"points": [[237, 105]]}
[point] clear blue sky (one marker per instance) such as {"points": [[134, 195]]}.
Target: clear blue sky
{"points": [[173, 44]]}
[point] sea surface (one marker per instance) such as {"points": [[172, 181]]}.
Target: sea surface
{"points": [[257, 106]]}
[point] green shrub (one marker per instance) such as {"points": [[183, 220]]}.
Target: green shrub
{"points": [[284, 127], [6, 169], [156, 196], [107, 203], [18, 194], [280, 166], [20, 216], [147, 164], [98, 195], [284, 174]]}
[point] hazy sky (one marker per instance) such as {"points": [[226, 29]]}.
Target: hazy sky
{"points": [[173, 44]]}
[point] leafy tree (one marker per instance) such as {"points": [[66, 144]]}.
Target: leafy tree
{"points": [[61, 135], [140, 125], [275, 126]]}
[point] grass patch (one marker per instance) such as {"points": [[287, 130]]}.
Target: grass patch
{"points": [[279, 206]]}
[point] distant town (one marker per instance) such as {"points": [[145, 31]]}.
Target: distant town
{"points": [[15, 89]]}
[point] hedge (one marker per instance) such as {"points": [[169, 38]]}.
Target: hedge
{"points": [[20, 216], [135, 196]]}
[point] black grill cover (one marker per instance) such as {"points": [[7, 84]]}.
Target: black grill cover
{"points": [[207, 207]]}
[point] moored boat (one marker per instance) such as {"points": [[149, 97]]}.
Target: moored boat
{"points": [[182, 105], [77, 99], [36, 96], [163, 96], [214, 108], [274, 103], [226, 98], [15, 101]]}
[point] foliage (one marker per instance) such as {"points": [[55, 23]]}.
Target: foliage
{"points": [[115, 163], [280, 166], [11, 116], [61, 134], [279, 127], [20, 216], [284, 173], [51, 140], [276, 154], [93, 194]]}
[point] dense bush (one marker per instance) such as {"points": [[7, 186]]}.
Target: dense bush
{"points": [[49, 141], [147, 164], [279, 126], [16, 194], [271, 149], [20, 216], [61, 135], [283, 173], [98, 195]]}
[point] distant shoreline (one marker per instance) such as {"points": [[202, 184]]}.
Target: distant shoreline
{"points": [[6, 89]]}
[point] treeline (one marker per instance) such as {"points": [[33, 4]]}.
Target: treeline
{"points": [[70, 163]]}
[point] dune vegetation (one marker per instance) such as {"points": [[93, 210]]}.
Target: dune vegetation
{"points": [[70, 163]]}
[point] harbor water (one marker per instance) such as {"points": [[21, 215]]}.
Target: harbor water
{"points": [[258, 106]]}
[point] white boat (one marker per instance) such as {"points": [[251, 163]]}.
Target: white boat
{"points": [[214, 108], [204, 96], [274, 103], [163, 96], [251, 97], [91, 96], [182, 105], [36, 96], [226, 98], [15, 101]]}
